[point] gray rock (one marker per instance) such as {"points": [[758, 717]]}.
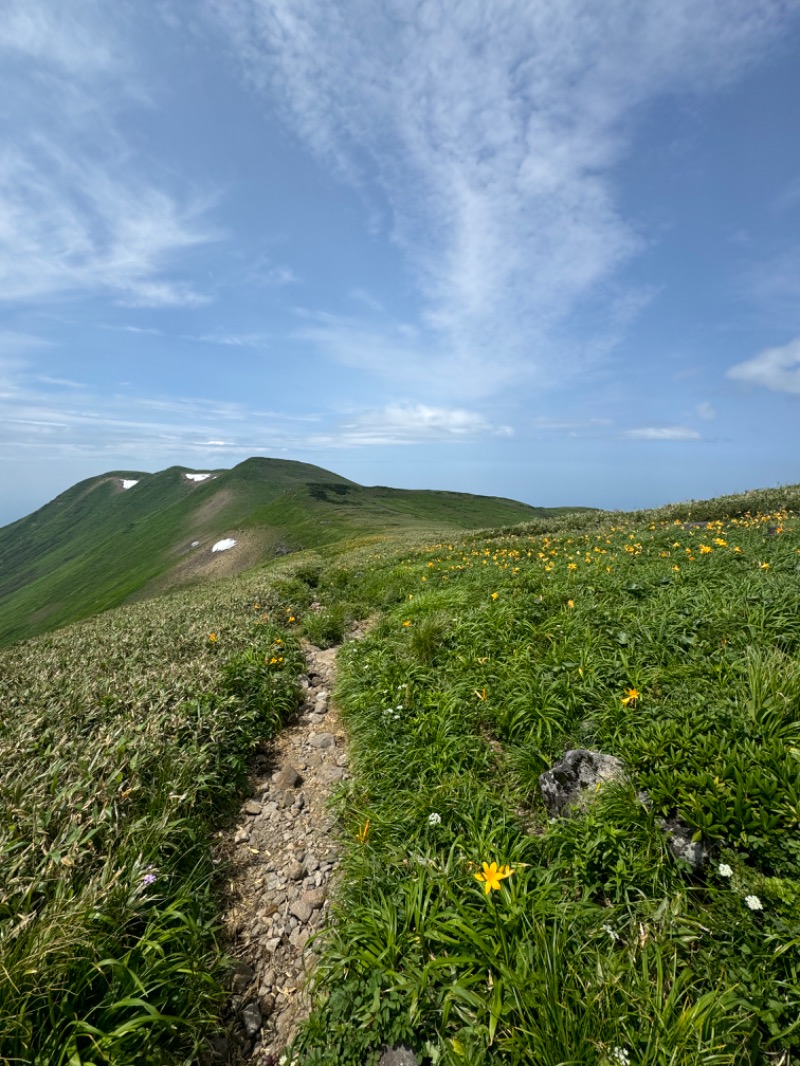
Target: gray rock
{"points": [[572, 781], [252, 807], [322, 740], [398, 1056], [241, 977], [680, 843], [242, 836], [314, 897], [343, 760], [287, 777], [251, 1017], [330, 774], [300, 909], [295, 871]]}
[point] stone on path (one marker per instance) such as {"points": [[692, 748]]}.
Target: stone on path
{"points": [[287, 777], [285, 857]]}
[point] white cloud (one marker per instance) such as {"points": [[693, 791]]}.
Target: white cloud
{"points": [[410, 424], [663, 433], [491, 135], [58, 36], [13, 343], [122, 427], [774, 368], [77, 213], [706, 411], [230, 340]]}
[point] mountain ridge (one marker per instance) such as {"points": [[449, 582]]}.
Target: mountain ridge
{"points": [[130, 533]]}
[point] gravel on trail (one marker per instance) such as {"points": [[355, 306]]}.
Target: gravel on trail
{"points": [[282, 859]]}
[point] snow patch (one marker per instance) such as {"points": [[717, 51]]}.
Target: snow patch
{"points": [[197, 477], [224, 545], [128, 483]]}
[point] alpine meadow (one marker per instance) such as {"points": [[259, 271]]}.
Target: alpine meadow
{"points": [[655, 921]]}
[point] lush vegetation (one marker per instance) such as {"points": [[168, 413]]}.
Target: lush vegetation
{"points": [[98, 546], [672, 642], [669, 639], [122, 744]]}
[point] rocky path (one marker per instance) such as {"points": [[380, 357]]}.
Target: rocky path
{"points": [[284, 856]]}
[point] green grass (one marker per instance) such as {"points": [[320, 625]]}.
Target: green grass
{"points": [[97, 546], [494, 656], [123, 744], [670, 639]]}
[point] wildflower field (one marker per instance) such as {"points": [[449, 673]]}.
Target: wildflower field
{"points": [[468, 925], [475, 930]]}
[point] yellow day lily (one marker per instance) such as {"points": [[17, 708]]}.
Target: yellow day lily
{"points": [[492, 876], [631, 696]]}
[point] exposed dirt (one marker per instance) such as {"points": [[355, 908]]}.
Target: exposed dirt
{"points": [[283, 857]]}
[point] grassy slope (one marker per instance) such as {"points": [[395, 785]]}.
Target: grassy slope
{"points": [[494, 656], [96, 546], [124, 737]]}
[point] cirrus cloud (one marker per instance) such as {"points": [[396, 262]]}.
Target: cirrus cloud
{"points": [[774, 368]]}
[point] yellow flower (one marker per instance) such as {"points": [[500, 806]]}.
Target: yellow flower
{"points": [[291, 618], [212, 638], [631, 696], [492, 876], [406, 624], [570, 603], [705, 549], [495, 595], [763, 566], [363, 832], [573, 566]]}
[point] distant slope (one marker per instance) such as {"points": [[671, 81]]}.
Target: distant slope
{"points": [[99, 544]]}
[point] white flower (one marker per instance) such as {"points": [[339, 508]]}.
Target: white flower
{"points": [[611, 932], [754, 903], [434, 819], [621, 1055], [724, 870]]}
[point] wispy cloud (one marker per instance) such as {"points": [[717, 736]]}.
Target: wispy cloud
{"points": [[493, 132], [410, 424], [77, 213], [38, 412], [706, 411], [670, 433], [230, 340], [774, 368]]}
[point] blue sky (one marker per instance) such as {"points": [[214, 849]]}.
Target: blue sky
{"points": [[543, 250]]}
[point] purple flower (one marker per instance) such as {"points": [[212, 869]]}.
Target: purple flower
{"points": [[148, 879]]}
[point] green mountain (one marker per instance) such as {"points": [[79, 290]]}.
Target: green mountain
{"points": [[129, 534]]}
